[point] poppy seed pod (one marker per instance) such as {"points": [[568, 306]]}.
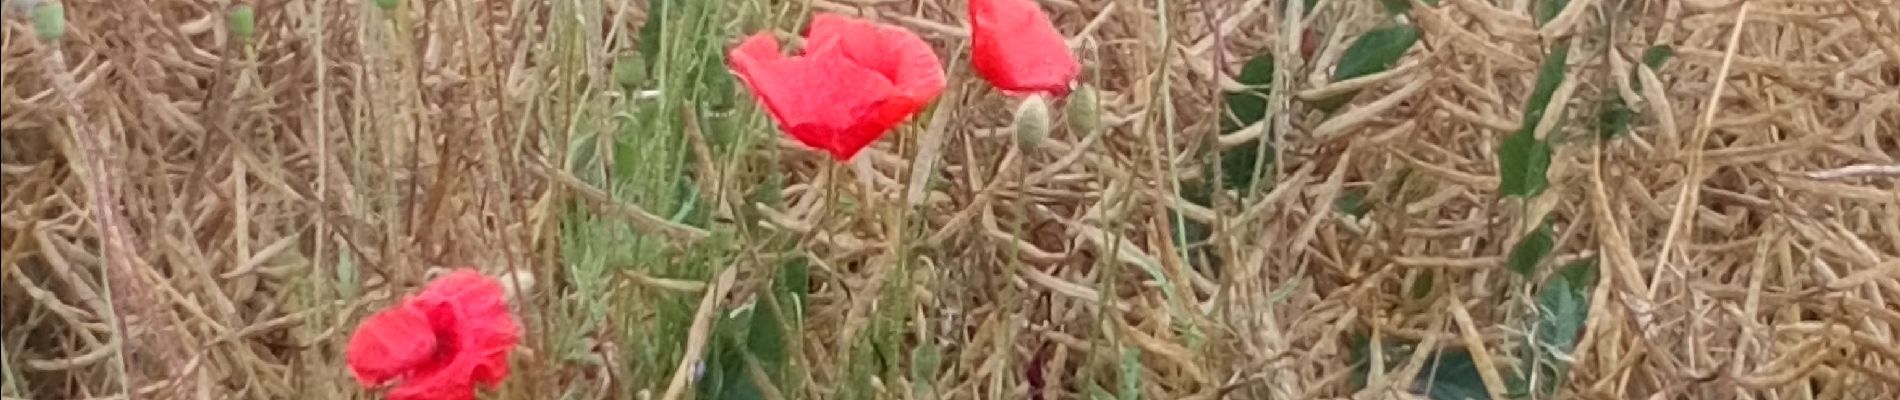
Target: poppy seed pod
{"points": [[1032, 122], [49, 20], [630, 71], [1084, 111]]}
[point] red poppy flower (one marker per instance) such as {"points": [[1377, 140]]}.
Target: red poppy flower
{"points": [[1015, 47], [439, 344], [855, 81]]}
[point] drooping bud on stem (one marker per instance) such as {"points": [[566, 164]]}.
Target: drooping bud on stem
{"points": [[49, 21], [1083, 113], [1032, 122]]}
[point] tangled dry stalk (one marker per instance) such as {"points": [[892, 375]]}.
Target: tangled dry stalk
{"points": [[224, 211]]}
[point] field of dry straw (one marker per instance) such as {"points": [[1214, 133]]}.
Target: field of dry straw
{"points": [[201, 208]]}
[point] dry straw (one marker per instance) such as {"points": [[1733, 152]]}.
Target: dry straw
{"points": [[1748, 228]]}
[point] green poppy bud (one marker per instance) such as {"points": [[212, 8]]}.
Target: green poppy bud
{"points": [[1084, 111], [1032, 122], [49, 20], [243, 21], [630, 70], [386, 5]]}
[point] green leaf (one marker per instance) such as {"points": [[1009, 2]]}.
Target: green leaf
{"points": [[1614, 117], [1522, 163], [1563, 309], [1656, 55], [652, 29], [1422, 286], [1249, 104], [1452, 375], [1353, 203], [1402, 7], [1549, 77], [725, 369], [1547, 9], [1372, 53], [924, 363], [1523, 159], [1531, 250], [1246, 107]]}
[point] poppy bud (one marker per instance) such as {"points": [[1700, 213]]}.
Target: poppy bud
{"points": [[1084, 111], [49, 20], [386, 5], [630, 71], [243, 21], [1032, 122]]}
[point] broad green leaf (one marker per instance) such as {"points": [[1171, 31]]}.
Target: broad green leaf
{"points": [[1451, 376], [1240, 164], [1244, 108], [725, 375], [1523, 159], [653, 28], [1531, 250], [1547, 9], [1549, 77], [1372, 53], [1522, 163], [1563, 309], [1249, 104], [1656, 55]]}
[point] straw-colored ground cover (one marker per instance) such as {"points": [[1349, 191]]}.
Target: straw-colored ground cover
{"points": [[1603, 199]]}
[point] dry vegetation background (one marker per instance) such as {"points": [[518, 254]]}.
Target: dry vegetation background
{"points": [[241, 204]]}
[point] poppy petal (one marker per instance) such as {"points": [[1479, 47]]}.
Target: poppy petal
{"points": [[821, 101], [472, 308], [896, 53], [389, 344], [1017, 49]]}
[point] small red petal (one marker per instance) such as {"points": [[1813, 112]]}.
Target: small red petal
{"points": [[390, 344], [1015, 46]]}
